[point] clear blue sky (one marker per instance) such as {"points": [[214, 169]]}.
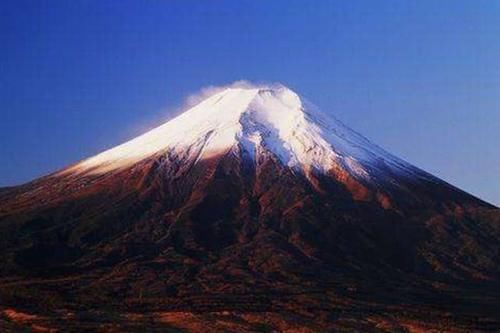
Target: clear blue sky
{"points": [[419, 78]]}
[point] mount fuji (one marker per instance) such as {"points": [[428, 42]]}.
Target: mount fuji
{"points": [[251, 211]]}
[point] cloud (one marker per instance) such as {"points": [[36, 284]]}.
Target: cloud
{"points": [[209, 91]]}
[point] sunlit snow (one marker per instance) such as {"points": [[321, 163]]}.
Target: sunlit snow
{"points": [[271, 118]]}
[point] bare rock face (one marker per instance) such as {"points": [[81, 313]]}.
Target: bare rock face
{"points": [[255, 210]]}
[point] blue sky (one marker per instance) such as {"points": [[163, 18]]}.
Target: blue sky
{"points": [[419, 78]]}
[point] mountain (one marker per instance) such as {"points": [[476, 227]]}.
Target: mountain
{"points": [[251, 211]]}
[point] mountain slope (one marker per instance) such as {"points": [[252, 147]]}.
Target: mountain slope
{"points": [[252, 202]]}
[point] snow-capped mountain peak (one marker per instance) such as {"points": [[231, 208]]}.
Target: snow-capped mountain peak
{"points": [[253, 119]]}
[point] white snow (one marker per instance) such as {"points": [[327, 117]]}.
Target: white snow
{"points": [[273, 118], [211, 124]]}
